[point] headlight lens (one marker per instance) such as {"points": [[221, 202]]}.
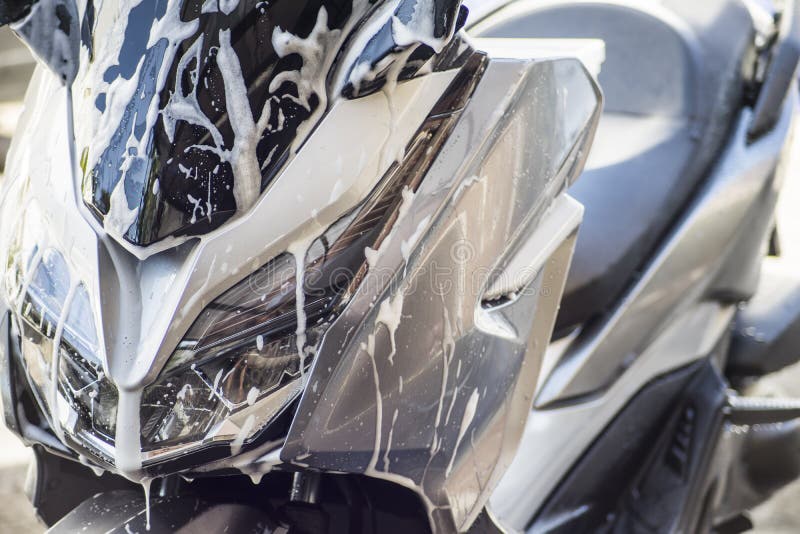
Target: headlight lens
{"points": [[82, 400], [40, 312], [238, 365], [235, 371], [81, 380]]}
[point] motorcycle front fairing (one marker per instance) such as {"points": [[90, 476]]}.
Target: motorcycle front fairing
{"points": [[351, 317]]}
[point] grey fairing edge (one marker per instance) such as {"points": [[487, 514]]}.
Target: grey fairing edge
{"points": [[704, 257], [681, 326], [438, 404]]}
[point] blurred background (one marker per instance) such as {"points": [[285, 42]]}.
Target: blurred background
{"points": [[780, 516]]}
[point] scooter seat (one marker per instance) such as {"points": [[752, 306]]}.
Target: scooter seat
{"points": [[673, 84]]}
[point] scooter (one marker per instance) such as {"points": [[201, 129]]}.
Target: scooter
{"points": [[400, 266]]}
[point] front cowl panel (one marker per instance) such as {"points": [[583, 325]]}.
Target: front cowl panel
{"points": [[142, 308], [427, 378]]}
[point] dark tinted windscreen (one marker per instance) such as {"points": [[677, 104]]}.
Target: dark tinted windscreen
{"points": [[207, 97]]}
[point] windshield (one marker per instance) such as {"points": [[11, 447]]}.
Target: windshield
{"points": [[186, 110], [196, 104]]}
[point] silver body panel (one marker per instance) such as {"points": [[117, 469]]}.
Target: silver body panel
{"points": [[674, 314], [446, 423]]}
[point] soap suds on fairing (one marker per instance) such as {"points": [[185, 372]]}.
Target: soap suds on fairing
{"points": [[390, 314], [466, 421], [247, 133], [224, 6], [252, 396], [420, 29], [310, 79], [247, 427], [120, 93], [369, 348], [146, 486], [371, 254], [127, 445], [408, 244], [386, 460], [316, 50], [299, 249]]}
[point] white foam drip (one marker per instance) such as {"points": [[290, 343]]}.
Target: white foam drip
{"points": [[215, 389], [252, 396], [146, 486], [373, 255], [408, 244], [369, 348], [299, 249], [215, 6], [390, 314], [247, 133], [389, 152], [448, 347], [256, 476], [420, 29], [247, 427], [466, 421], [127, 450], [386, 461], [85, 461]]}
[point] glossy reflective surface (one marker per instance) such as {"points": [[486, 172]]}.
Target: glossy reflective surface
{"points": [[434, 378], [187, 110]]}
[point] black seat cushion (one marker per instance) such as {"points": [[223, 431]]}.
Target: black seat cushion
{"points": [[672, 82]]}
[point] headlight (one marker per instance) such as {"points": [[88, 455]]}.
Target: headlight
{"points": [[69, 384], [39, 312], [91, 399], [237, 368]]}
